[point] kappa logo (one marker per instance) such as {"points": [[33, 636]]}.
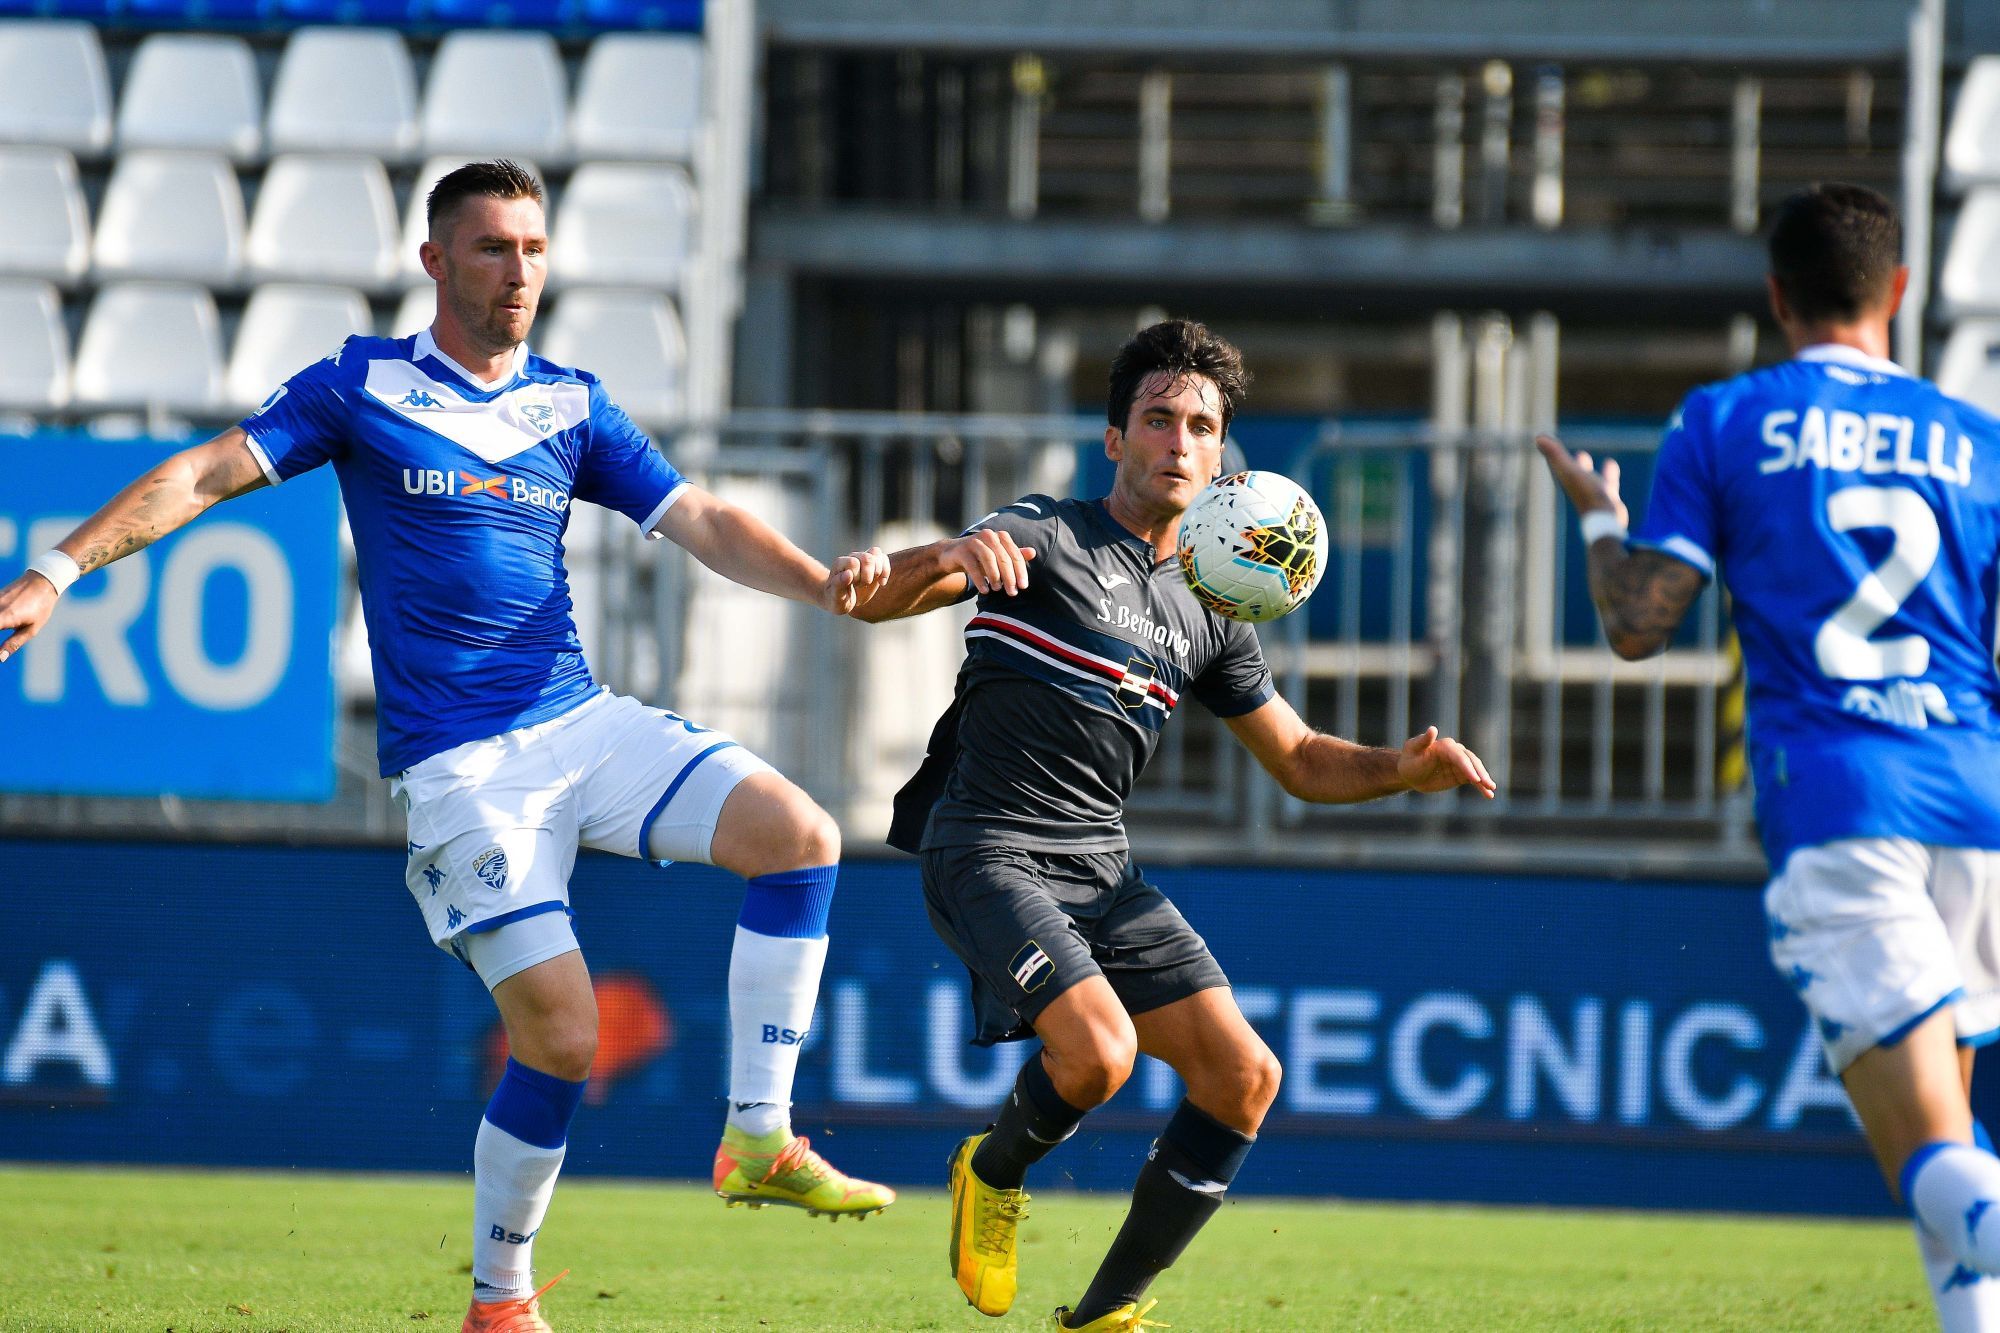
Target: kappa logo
{"points": [[433, 877], [418, 398], [491, 867], [1031, 968]]}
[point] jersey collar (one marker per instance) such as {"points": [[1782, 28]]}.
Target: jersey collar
{"points": [[427, 346], [1850, 356]]}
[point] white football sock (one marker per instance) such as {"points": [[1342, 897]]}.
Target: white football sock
{"points": [[1954, 1190], [1967, 1302], [512, 1183], [773, 984]]}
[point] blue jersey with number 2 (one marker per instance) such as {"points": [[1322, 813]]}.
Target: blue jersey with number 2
{"points": [[1854, 511]]}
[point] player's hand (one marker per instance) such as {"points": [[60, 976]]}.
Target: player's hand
{"points": [[990, 561], [1587, 489], [853, 580], [1431, 762], [25, 606]]}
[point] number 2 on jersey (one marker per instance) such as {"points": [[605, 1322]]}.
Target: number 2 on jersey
{"points": [[1842, 646]]}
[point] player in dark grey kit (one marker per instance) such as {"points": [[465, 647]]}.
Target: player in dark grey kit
{"points": [[1070, 676]]}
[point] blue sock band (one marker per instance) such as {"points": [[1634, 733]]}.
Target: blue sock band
{"points": [[534, 1107], [791, 904], [1918, 1160]]}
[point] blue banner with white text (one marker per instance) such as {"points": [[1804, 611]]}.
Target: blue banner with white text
{"points": [[1516, 1039], [200, 666]]}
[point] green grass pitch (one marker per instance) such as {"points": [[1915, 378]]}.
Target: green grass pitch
{"points": [[254, 1252]]}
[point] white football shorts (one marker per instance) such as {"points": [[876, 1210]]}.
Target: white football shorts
{"points": [[494, 824], [1877, 934]]}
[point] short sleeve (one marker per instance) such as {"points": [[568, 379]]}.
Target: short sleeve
{"points": [[620, 469], [1238, 681], [1681, 511], [302, 425], [1030, 521]]}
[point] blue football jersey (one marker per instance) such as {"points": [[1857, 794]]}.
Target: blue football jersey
{"points": [[458, 493], [1854, 511]]}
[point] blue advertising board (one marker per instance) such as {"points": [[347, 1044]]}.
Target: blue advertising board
{"points": [[201, 666], [1501, 1039]]}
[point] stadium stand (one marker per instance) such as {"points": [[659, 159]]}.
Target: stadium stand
{"points": [[638, 97], [150, 346], [54, 88], [49, 230], [170, 215], [1970, 365], [195, 92], [329, 219], [632, 340], [286, 327], [461, 114], [622, 222], [345, 90], [1972, 144], [34, 348]]}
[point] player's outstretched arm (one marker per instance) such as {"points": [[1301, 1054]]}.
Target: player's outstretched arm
{"points": [[925, 578], [1314, 766], [168, 497], [744, 549], [1641, 595]]}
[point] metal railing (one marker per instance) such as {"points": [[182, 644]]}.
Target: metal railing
{"points": [[1452, 596]]}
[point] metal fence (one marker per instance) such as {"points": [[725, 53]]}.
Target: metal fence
{"points": [[1453, 595]]}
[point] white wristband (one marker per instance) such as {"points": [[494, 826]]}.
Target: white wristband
{"points": [[57, 568], [1598, 524]]}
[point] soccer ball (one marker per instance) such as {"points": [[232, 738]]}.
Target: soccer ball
{"points": [[1253, 546]]}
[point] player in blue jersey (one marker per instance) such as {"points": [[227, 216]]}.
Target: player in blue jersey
{"points": [[459, 454], [1853, 512]]}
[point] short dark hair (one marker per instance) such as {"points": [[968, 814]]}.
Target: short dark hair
{"points": [[1834, 251], [1179, 347], [498, 179]]}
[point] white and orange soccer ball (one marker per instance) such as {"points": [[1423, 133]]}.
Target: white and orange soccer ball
{"points": [[1253, 546]]}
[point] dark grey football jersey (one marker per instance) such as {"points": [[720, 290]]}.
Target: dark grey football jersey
{"points": [[1067, 686]]}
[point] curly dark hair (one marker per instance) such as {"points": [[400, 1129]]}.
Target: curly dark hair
{"points": [[1834, 251], [498, 179], [1179, 347]]}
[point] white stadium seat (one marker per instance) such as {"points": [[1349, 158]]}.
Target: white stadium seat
{"points": [[1972, 144], [416, 218], [53, 86], [1969, 282], [170, 215], [286, 328], [47, 233], [496, 93], [325, 219], [631, 340], [34, 348], [415, 311], [1970, 366], [638, 96], [189, 91], [345, 90], [623, 223], [150, 344]]}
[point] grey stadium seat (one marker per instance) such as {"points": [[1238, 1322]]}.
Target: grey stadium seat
{"points": [[34, 348], [638, 96], [325, 219], [53, 86], [286, 327], [48, 232], [1969, 282], [632, 340], [415, 311], [346, 90], [1970, 366], [1972, 144], [416, 218], [170, 215], [150, 344], [462, 114], [191, 91], [623, 223]]}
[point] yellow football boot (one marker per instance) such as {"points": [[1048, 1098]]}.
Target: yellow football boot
{"points": [[782, 1168], [983, 1222], [1125, 1319]]}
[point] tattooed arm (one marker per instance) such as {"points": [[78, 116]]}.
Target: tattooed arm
{"points": [[168, 497], [1640, 595]]}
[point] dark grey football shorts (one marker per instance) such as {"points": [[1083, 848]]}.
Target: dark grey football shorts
{"points": [[1029, 925]]}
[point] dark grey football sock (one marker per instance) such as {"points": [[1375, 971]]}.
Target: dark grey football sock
{"points": [[1032, 1121]]}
